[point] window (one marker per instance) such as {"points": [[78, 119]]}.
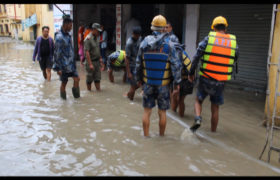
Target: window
{"points": [[0, 8], [7, 28], [19, 6], [50, 6], [5, 10], [1, 28]]}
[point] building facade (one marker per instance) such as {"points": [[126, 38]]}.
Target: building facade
{"points": [[4, 21], [15, 14], [35, 17], [25, 21]]}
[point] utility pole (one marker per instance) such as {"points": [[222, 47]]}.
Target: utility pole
{"points": [[15, 11]]}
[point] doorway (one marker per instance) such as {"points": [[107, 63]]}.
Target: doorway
{"points": [[144, 13]]}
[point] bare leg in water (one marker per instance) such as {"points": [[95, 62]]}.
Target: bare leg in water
{"points": [[48, 74], [162, 121], [146, 121], [214, 117], [131, 92]]}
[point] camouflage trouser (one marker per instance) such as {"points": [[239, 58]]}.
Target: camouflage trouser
{"points": [[94, 75], [132, 81], [153, 93], [210, 87]]}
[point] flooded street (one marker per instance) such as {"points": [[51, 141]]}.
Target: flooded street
{"points": [[100, 134]]}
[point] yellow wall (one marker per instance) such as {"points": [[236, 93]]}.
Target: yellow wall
{"points": [[273, 70], [30, 9], [44, 18], [47, 20], [14, 11]]}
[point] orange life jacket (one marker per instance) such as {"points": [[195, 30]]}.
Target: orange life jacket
{"points": [[219, 56]]}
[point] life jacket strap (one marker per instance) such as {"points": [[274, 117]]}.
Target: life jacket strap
{"points": [[222, 37], [154, 69], [157, 78], [215, 63], [216, 72], [157, 60], [220, 55], [222, 46]]}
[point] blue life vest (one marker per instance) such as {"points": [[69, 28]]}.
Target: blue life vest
{"points": [[156, 66]]}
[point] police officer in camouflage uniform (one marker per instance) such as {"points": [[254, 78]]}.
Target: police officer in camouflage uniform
{"points": [[93, 57], [186, 87], [64, 62], [169, 30], [131, 49], [157, 64]]}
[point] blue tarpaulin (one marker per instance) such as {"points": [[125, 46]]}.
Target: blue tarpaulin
{"points": [[26, 23]]}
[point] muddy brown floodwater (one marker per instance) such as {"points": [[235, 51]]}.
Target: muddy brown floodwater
{"points": [[101, 134]]}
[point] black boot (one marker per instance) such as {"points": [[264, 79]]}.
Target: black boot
{"points": [[196, 124], [63, 95], [76, 92]]}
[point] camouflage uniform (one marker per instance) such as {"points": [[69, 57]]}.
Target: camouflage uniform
{"points": [[131, 50], [64, 56], [186, 87], [173, 37], [91, 44]]}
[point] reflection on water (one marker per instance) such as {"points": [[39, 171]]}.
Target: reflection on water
{"points": [[98, 134]]}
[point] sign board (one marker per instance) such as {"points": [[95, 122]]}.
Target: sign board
{"points": [[26, 23], [57, 15], [118, 26], [33, 20]]}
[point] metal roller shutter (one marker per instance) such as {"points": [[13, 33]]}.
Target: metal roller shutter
{"points": [[88, 13], [251, 25]]}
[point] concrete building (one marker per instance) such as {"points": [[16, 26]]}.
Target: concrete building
{"points": [[25, 21], [15, 13], [4, 21], [35, 17]]}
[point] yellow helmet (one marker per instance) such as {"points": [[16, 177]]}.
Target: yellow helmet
{"points": [[219, 20], [158, 22]]}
